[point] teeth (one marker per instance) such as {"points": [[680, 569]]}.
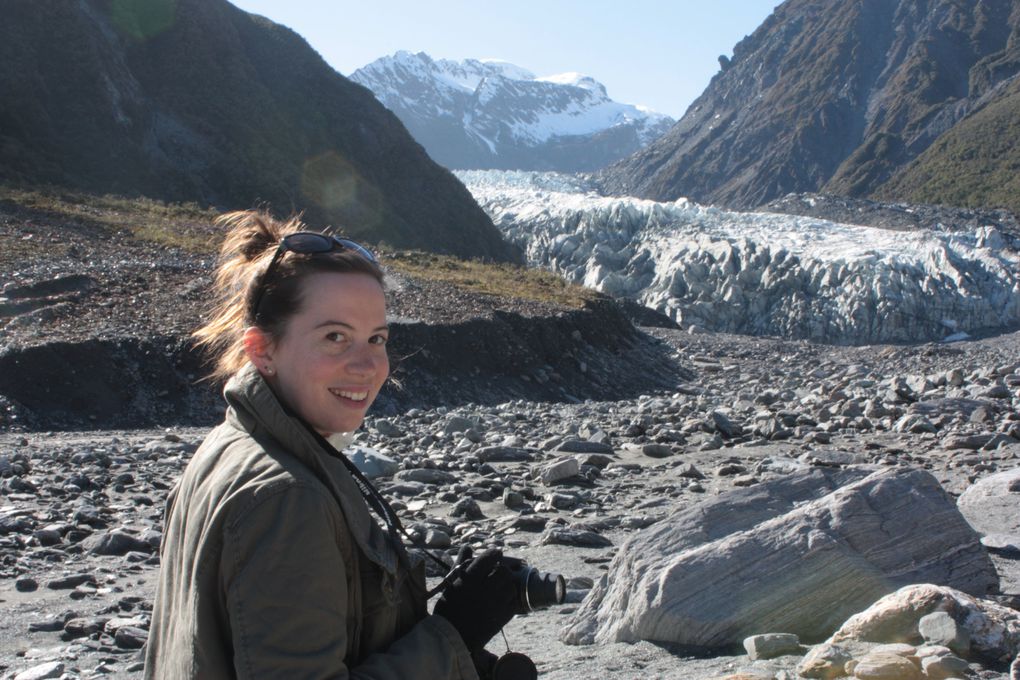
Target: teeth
{"points": [[354, 396]]}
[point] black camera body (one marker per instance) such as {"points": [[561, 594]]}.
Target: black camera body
{"points": [[535, 589]]}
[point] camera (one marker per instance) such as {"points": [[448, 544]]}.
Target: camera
{"points": [[535, 589]]}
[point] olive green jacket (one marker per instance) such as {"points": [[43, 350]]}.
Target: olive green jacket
{"points": [[272, 566]]}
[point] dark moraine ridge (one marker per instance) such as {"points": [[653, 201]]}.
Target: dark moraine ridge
{"points": [[128, 382]]}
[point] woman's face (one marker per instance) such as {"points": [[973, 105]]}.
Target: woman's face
{"points": [[331, 361]]}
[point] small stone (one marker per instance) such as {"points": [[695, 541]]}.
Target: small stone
{"points": [[15, 525], [711, 443], [458, 424], [944, 667], [562, 501], [426, 476], [596, 460], [897, 648], [914, 424], [113, 625], [130, 637], [730, 469], [26, 585], [997, 391], [48, 537], [512, 499], [657, 450], [578, 538], [724, 425], [824, 661], [583, 446], [83, 627], [387, 429], [47, 625], [528, 523], [372, 463], [771, 645], [939, 628], [886, 666], [434, 538], [115, 543], [689, 471], [967, 441], [1007, 545], [50, 669], [467, 508], [561, 469], [503, 454], [69, 582]]}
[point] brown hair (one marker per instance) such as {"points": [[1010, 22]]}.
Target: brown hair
{"points": [[249, 245]]}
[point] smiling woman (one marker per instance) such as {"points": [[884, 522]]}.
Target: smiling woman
{"points": [[331, 361], [272, 564]]}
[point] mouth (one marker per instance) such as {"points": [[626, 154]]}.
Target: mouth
{"points": [[356, 396]]}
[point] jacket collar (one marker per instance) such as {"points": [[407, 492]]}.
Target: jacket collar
{"points": [[254, 408]]}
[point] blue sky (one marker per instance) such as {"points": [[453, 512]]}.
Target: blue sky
{"points": [[658, 53]]}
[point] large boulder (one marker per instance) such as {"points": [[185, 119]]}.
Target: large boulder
{"points": [[798, 555], [992, 505]]}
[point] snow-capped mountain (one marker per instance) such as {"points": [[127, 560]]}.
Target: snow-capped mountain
{"points": [[760, 273], [492, 114]]}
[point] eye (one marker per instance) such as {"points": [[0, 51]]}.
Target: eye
{"points": [[378, 339], [336, 336]]}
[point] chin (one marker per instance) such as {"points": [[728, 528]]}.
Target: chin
{"points": [[334, 426]]}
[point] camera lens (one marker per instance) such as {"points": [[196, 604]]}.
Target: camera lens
{"points": [[544, 589]]}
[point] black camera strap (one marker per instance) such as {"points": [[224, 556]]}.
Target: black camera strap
{"points": [[377, 502]]}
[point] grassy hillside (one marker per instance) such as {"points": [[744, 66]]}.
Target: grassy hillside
{"points": [[975, 164], [188, 228]]}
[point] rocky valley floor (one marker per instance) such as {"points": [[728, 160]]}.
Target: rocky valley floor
{"points": [[80, 512], [559, 433]]}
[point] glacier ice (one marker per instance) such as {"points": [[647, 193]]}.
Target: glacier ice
{"points": [[759, 273]]}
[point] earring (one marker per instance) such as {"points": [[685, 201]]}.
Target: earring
{"points": [[269, 370]]}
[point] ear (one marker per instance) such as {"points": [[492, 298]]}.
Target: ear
{"points": [[258, 347]]}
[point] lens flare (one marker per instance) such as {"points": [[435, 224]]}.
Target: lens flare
{"points": [[335, 186]]}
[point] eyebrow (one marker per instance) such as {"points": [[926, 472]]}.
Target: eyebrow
{"points": [[384, 327]]}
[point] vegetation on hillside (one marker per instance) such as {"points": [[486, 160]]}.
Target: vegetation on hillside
{"points": [[975, 164], [505, 280], [189, 228], [178, 225]]}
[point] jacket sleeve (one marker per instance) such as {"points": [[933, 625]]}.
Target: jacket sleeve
{"points": [[285, 585]]}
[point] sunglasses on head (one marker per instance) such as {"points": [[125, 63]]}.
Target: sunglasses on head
{"points": [[306, 243]]}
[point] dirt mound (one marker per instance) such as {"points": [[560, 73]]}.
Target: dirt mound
{"points": [[119, 383], [124, 383]]}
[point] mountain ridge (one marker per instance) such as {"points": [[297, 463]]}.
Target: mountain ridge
{"points": [[493, 114], [837, 98], [192, 100]]}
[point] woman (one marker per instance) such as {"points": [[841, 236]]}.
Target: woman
{"points": [[272, 563]]}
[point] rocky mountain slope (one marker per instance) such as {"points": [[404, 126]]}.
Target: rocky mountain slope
{"points": [[843, 98], [196, 100], [490, 114]]}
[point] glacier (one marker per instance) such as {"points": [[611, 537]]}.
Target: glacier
{"points": [[760, 273]]}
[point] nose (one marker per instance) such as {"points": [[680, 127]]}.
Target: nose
{"points": [[365, 361]]}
